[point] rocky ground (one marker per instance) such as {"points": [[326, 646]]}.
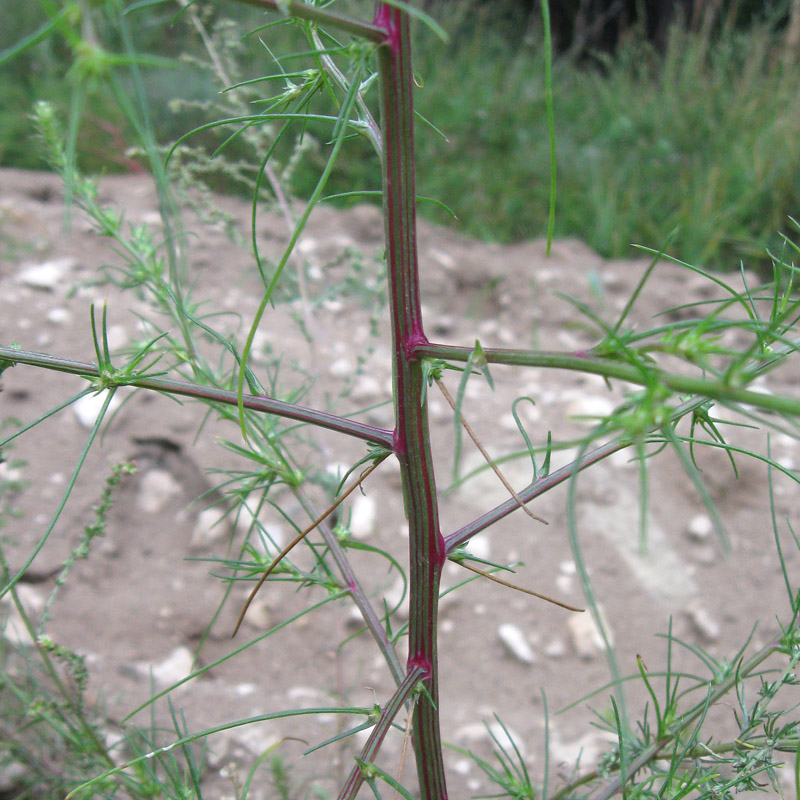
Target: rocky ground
{"points": [[139, 608]]}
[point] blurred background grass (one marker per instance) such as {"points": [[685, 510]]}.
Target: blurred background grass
{"points": [[700, 135]]}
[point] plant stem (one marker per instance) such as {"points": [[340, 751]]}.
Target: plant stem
{"points": [[412, 440], [587, 363], [294, 8], [211, 394], [370, 750]]}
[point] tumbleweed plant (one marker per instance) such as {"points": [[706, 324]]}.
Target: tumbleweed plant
{"points": [[355, 78]]}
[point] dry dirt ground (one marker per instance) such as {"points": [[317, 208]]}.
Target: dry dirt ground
{"points": [[140, 605]]}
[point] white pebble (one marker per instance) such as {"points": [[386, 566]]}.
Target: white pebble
{"points": [[444, 259], [705, 624], [341, 368], [700, 527], [362, 517], [259, 614], [209, 528], [516, 643], [9, 474], [564, 583], [366, 387], [555, 649], [157, 488], [12, 628], [588, 409], [117, 337], [586, 638], [508, 738], [175, 667], [88, 407], [480, 546], [46, 275], [58, 316]]}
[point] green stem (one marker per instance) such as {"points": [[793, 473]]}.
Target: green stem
{"points": [[370, 750], [412, 439], [712, 389], [348, 24], [210, 394]]}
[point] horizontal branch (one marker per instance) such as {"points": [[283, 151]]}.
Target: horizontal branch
{"points": [[533, 490], [343, 22], [211, 394], [541, 485], [705, 387]]}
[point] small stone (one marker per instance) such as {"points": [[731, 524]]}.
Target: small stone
{"points": [[397, 594], [588, 409], [47, 275], [564, 583], [117, 337], [462, 766], [259, 614], [257, 738], [365, 388], [508, 739], [516, 643], [586, 750], [480, 546], [341, 368], [586, 638], [115, 741], [13, 777], [555, 649], [306, 696], [175, 667], [12, 628], [505, 737], [209, 528], [507, 336], [9, 474], [362, 517], [334, 306], [58, 316], [156, 489], [444, 324], [88, 407], [270, 539], [700, 527], [704, 623], [443, 259], [338, 469]]}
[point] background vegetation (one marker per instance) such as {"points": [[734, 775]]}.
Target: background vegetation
{"points": [[698, 137]]}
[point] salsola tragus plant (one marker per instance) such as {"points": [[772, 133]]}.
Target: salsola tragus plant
{"points": [[721, 348]]}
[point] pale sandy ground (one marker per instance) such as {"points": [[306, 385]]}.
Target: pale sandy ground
{"points": [[139, 601]]}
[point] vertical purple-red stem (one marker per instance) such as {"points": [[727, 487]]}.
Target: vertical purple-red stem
{"points": [[411, 437]]}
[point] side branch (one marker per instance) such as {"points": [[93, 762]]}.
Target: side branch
{"points": [[587, 363], [211, 394], [343, 22]]}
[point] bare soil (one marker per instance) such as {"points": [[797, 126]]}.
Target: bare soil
{"points": [[146, 596]]}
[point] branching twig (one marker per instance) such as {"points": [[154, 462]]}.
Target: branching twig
{"points": [[494, 578], [299, 538]]}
